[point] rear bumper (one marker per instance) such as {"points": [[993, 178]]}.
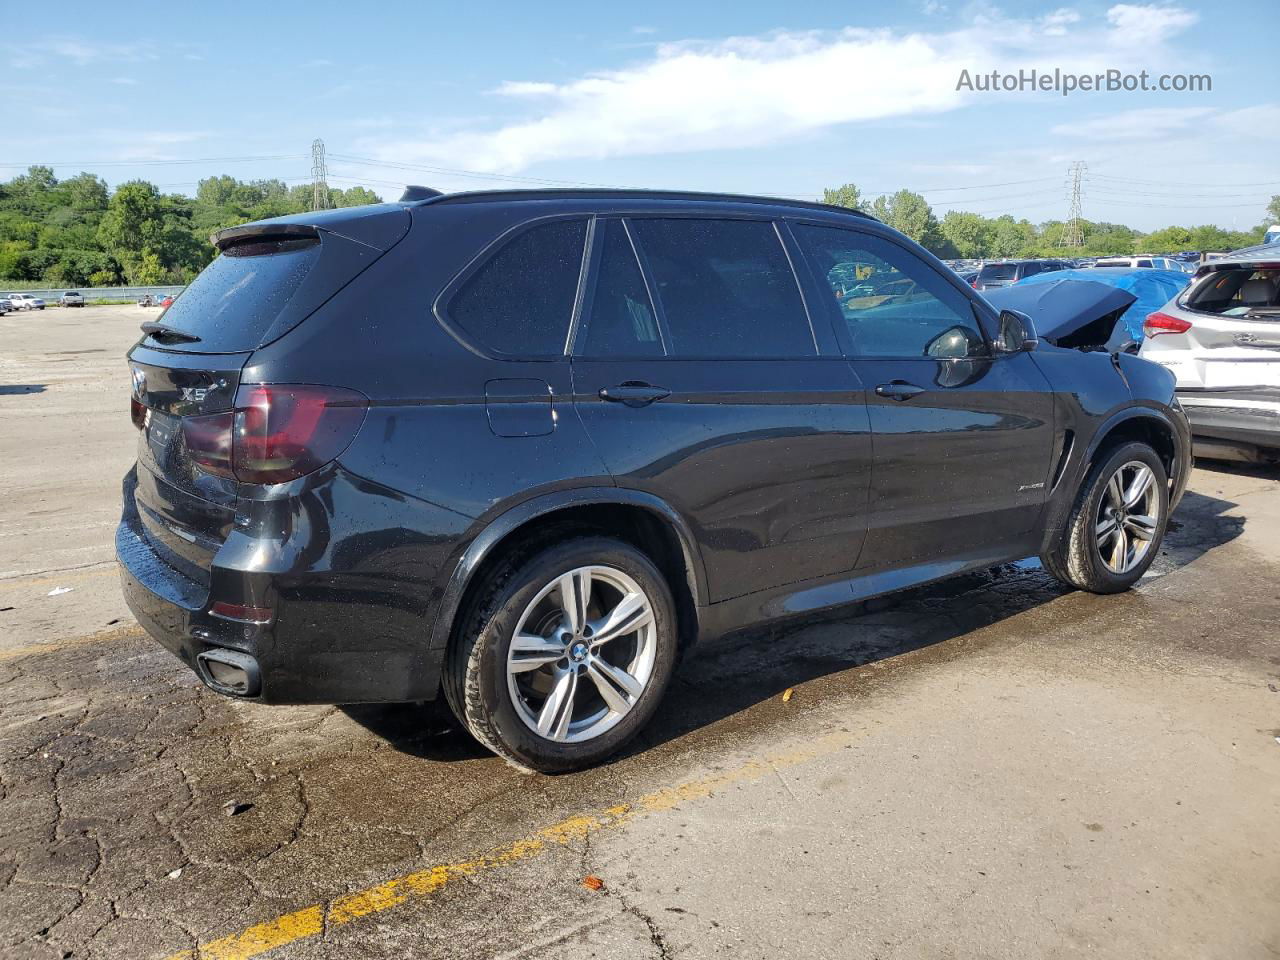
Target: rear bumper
{"points": [[331, 640], [1243, 417]]}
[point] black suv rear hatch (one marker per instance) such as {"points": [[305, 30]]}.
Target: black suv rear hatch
{"points": [[269, 277]]}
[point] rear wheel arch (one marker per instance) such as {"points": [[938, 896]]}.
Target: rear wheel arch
{"points": [[636, 518]]}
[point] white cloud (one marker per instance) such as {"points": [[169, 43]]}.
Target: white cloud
{"points": [[748, 91], [172, 136], [1145, 124], [526, 88], [79, 51], [1155, 124], [1055, 24], [1251, 123], [1154, 22]]}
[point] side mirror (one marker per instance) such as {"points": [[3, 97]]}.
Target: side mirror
{"points": [[1017, 334], [956, 343]]}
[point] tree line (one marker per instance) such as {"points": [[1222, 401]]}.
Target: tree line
{"points": [[77, 232], [963, 235]]}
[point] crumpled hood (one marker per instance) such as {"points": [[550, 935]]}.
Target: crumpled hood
{"points": [[1067, 313]]}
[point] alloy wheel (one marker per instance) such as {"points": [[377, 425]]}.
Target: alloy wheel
{"points": [[582, 654], [1128, 517]]}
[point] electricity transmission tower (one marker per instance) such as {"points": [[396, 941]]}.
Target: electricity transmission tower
{"points": [[319, 177], [1073, 231]]}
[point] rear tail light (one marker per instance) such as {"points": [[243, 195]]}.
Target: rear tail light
{"points": [[137, 412], [1158, 323], [276, 432], [209, 442]]}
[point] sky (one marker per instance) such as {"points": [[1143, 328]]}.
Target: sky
{"points": [[771, 98]]}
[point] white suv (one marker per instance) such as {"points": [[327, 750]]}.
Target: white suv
{"points": [[1221, 339]]}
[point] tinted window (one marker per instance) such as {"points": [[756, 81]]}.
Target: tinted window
{"points": [[231, 305], [726, 288], [998, 271], [520, 301], [1144, 263], [620, 321], [1030, 269], [893, 304]]}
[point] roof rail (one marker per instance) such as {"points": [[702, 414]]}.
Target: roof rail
{"points": [[479, 196]]}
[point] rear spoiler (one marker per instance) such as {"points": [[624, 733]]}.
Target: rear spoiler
{"points": [[263, 232], [378, 225]]}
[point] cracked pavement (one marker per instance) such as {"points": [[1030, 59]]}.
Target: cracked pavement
{"points": [[992, 766]]}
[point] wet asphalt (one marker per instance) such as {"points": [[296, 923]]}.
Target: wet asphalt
{"points": [[994, 766]]}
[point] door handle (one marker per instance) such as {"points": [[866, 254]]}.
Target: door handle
{"points": [[898, 390], [634, 393]]}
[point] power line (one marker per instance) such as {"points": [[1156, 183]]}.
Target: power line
{"points": [[975, 186], [1168, 183], [156, 163], [458, 172]]}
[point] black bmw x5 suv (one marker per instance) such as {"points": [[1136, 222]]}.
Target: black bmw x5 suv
{"points": [[527, 449]]}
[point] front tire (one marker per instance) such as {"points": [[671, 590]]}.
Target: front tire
{"points": [[1117, 524], [564, 655]]}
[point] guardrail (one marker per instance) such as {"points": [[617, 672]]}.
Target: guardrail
{"points": [[51, 294]]}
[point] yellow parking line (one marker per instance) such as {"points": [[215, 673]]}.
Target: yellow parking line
{"points": [[35, 578], [36, 649], [310, 921]]}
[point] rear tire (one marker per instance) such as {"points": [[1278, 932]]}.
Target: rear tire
{"points": [[585, 676], [1117, 524]]}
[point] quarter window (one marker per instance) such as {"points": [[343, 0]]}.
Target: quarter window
{"points": [[620, 322], [726, 288], [892, 304], [520, 301]]}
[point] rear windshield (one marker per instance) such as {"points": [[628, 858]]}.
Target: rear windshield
{"points": [[1238, 292], [998, 271], [231, 305]]}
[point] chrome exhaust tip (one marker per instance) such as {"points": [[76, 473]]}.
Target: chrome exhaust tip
{"points": [[230, 672]]}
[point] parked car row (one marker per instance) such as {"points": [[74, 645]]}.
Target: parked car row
{"points": [[984, 274], [69, 298]]}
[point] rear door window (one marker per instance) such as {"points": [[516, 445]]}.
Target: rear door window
{"points": [[230, 306], [725, 288], [519, 302], [893, 304]]}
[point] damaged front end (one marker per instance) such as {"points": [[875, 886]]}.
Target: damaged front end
{"points": [[1072, 314]]}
